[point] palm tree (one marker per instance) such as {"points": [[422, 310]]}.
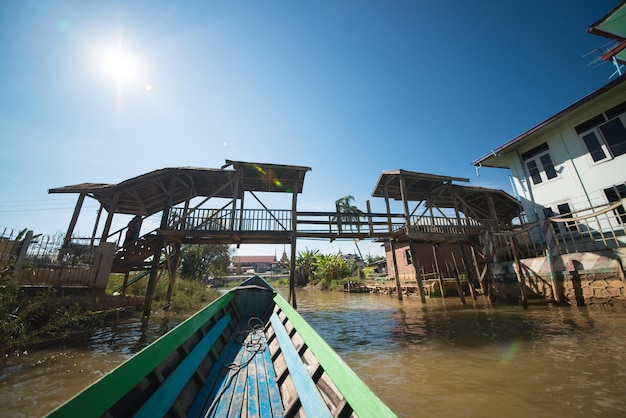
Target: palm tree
{"points": [[350, 214]]}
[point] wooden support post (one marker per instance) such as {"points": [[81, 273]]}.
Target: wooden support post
{"points": [[395, 269], [407, 221], [418, 272], [158, 247], [95, 226], [21, 255], [238, 182], [125, 283], [481, 277], [338, 216], [154, 271], [294, 238], [518, 271], [292, 276], [439, 276], [107, 223], [70, 229], [172, 268], [457, 281], [553, 282], [470, 281], [369, 217]]}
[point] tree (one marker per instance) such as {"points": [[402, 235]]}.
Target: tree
{"points": [[284, 262], [350, 214], [371, 259], [333, 267], [201, 260], [305, 266]]}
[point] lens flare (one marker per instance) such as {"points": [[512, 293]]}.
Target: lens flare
{"points": [[509, 353]]}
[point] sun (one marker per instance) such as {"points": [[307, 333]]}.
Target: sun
{"points": [[119, 65]]}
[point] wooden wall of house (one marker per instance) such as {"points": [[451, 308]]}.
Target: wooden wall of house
{"points": [[447, 255]]}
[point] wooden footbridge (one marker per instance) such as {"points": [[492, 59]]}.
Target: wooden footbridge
{"points": [[212, 206]]}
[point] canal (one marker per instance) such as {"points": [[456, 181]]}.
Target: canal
{"points": [[441, 359]]}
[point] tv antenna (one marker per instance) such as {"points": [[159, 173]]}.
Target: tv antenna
{"points": [[599, 60]]}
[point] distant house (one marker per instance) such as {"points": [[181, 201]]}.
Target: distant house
{"points": [[252, 263], [572, 161]]}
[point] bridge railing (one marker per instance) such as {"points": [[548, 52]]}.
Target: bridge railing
{"points": [[335, 223], [329, 223], [226, 219], [444, 225]]}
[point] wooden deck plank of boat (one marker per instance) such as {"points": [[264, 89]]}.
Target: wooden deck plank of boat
{"points": [[243, 377]]}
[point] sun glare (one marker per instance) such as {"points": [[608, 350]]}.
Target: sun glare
{"points": [[119, 65]]}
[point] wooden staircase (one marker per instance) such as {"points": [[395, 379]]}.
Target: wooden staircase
{"points": [[133, 255]]}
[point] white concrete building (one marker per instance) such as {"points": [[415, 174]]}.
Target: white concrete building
{"points": [[572, 161]]}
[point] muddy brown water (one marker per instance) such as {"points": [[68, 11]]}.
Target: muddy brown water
{"points": [[441, 359]]}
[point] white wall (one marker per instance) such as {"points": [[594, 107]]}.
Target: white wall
{"points": [[580, 181]]}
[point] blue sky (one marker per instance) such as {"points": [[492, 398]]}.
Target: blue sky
{"points": [[348, 88]]}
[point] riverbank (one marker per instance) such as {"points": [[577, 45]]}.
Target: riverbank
{"points": [[33, 317]]}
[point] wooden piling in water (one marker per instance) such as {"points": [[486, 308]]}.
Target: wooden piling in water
{"points": [[518, 272], [395, 269], [439, 278], [467, 271], [459, 288]]}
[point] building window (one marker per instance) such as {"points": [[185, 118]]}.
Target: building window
{"points": [[605, 135], [407, 257], [615, 194], [539, 164], [564, 210]]}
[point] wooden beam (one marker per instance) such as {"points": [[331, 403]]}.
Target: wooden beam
{"points": [[294, 239], [439, 276], [70, 228], [107, 223], [457, 281], [407, 220], [395, 269], [159, 244], [518, 272]]}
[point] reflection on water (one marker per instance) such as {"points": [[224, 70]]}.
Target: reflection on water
{"points": [[34, 384], [436, 360], [442, 359]]}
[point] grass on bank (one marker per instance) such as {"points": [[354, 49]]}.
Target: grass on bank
{"points": [[188, 295], [28, 319], [46, 317]]}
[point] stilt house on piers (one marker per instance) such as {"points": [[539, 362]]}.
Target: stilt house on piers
{"points": [[441, 218]]}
